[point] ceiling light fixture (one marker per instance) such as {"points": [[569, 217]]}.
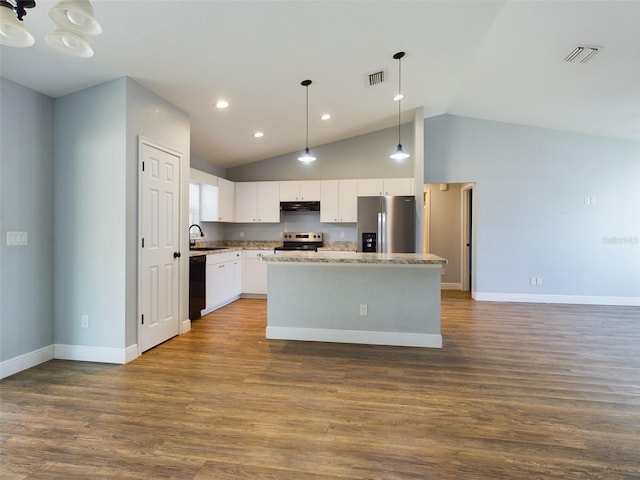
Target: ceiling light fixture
{"points": [[307, 157], [399, 154], [221, 104], [12, 31], [69, 43], [73, 19], [75, 16], [258, 134], [325, 116]]}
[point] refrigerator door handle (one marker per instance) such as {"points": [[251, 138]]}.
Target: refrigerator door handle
{"points": [[379, 234], [382, 232]]}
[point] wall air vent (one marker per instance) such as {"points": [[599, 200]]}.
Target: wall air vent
{"points": [[582, 54], [374, 79]]}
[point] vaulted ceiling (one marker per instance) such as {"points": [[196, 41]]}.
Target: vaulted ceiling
{"points": [[498, 60]]}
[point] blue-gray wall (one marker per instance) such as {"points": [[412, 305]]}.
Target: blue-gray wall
{"points": [[70, 179], [90, 211], [364, 156], [529, 206], [26, 199]]}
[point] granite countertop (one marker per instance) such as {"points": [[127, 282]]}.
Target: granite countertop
{"points": [[207, 248], [355, 257]]}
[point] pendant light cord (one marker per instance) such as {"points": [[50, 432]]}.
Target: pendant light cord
{"points": [[307, 88], [399, 94]]}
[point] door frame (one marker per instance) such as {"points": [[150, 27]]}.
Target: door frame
{"points": [[141, 142], [467, 257], [426, 227]]}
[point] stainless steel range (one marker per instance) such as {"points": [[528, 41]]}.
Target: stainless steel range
{"points": [[306, 241]]}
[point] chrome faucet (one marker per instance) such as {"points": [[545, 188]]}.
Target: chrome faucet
{"points": [[192, 241]]}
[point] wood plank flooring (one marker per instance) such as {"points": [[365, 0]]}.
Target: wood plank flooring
{"points": [[519, 391]]}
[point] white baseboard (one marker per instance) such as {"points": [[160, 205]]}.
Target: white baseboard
{"points": [[568, 299], [450, 286], [23, 362], [95, 354], [186, 326], [355, 336]]}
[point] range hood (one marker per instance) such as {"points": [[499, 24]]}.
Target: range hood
{"points": [[301, 206]]}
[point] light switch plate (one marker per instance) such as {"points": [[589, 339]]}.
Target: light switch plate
{"points": [[17, 238]]}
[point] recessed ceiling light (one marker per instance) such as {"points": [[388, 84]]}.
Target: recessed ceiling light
{"points": [[222, 104], [325, 116], [398, 97], [258, 134]]}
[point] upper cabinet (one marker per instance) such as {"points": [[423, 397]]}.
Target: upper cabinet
{"points": [[338, 201], [385, 186], [203, 178], [226, 200], [257, 202], [307, 190]]}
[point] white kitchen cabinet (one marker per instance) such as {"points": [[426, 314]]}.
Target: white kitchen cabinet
{"points": [[307, 190], [398, 186], [254, 272], [373, 187], [209, 203], [338, 201], [223, 279], [198, 176], [257, 202], [226, 200]]}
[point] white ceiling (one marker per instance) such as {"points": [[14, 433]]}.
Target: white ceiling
{"points": [[498, 60]]}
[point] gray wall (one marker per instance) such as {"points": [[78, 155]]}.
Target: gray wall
{"points": [[205, 166], [90, 211], [364, 156], [152, 117], [26, 205], [530, 215], [445, 232], [96, 198]]}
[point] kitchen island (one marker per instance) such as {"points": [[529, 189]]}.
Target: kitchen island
{"points": [[349, 297]]}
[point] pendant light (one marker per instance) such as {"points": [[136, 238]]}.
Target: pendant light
{"points": [[307, 157], [399, 154], [12, 31]]}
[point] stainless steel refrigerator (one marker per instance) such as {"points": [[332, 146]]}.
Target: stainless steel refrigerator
{"points": [[387, 224]]}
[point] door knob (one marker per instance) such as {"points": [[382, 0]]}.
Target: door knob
{"points": [[177, 254]]}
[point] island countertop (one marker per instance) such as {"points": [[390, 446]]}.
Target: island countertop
{"points": [[356, 257]]}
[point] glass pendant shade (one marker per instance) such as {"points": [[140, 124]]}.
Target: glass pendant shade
{"points": [[12, 31], [76, 16], [399, 154], [306, 156], [69, 43]]}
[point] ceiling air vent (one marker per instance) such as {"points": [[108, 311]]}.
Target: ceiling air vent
{"points": [[374, 79], [582, 54]]}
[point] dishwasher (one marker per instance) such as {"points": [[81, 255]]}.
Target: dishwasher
{"points": [[197, 285]]}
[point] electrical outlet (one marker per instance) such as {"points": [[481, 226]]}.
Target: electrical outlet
{"points": [[532, 281], [342, 234], [538, 280], [85, 321], [363, 309], [442, 272], [241, 234]]}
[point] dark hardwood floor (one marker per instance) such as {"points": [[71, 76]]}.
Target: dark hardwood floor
{"points": [[519, 391]]}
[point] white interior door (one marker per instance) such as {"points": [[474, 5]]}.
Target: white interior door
{"points": [[159, 246]]}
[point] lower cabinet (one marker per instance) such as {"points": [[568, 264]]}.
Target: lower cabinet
{"points": [[254, 273], [224, 277]]}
